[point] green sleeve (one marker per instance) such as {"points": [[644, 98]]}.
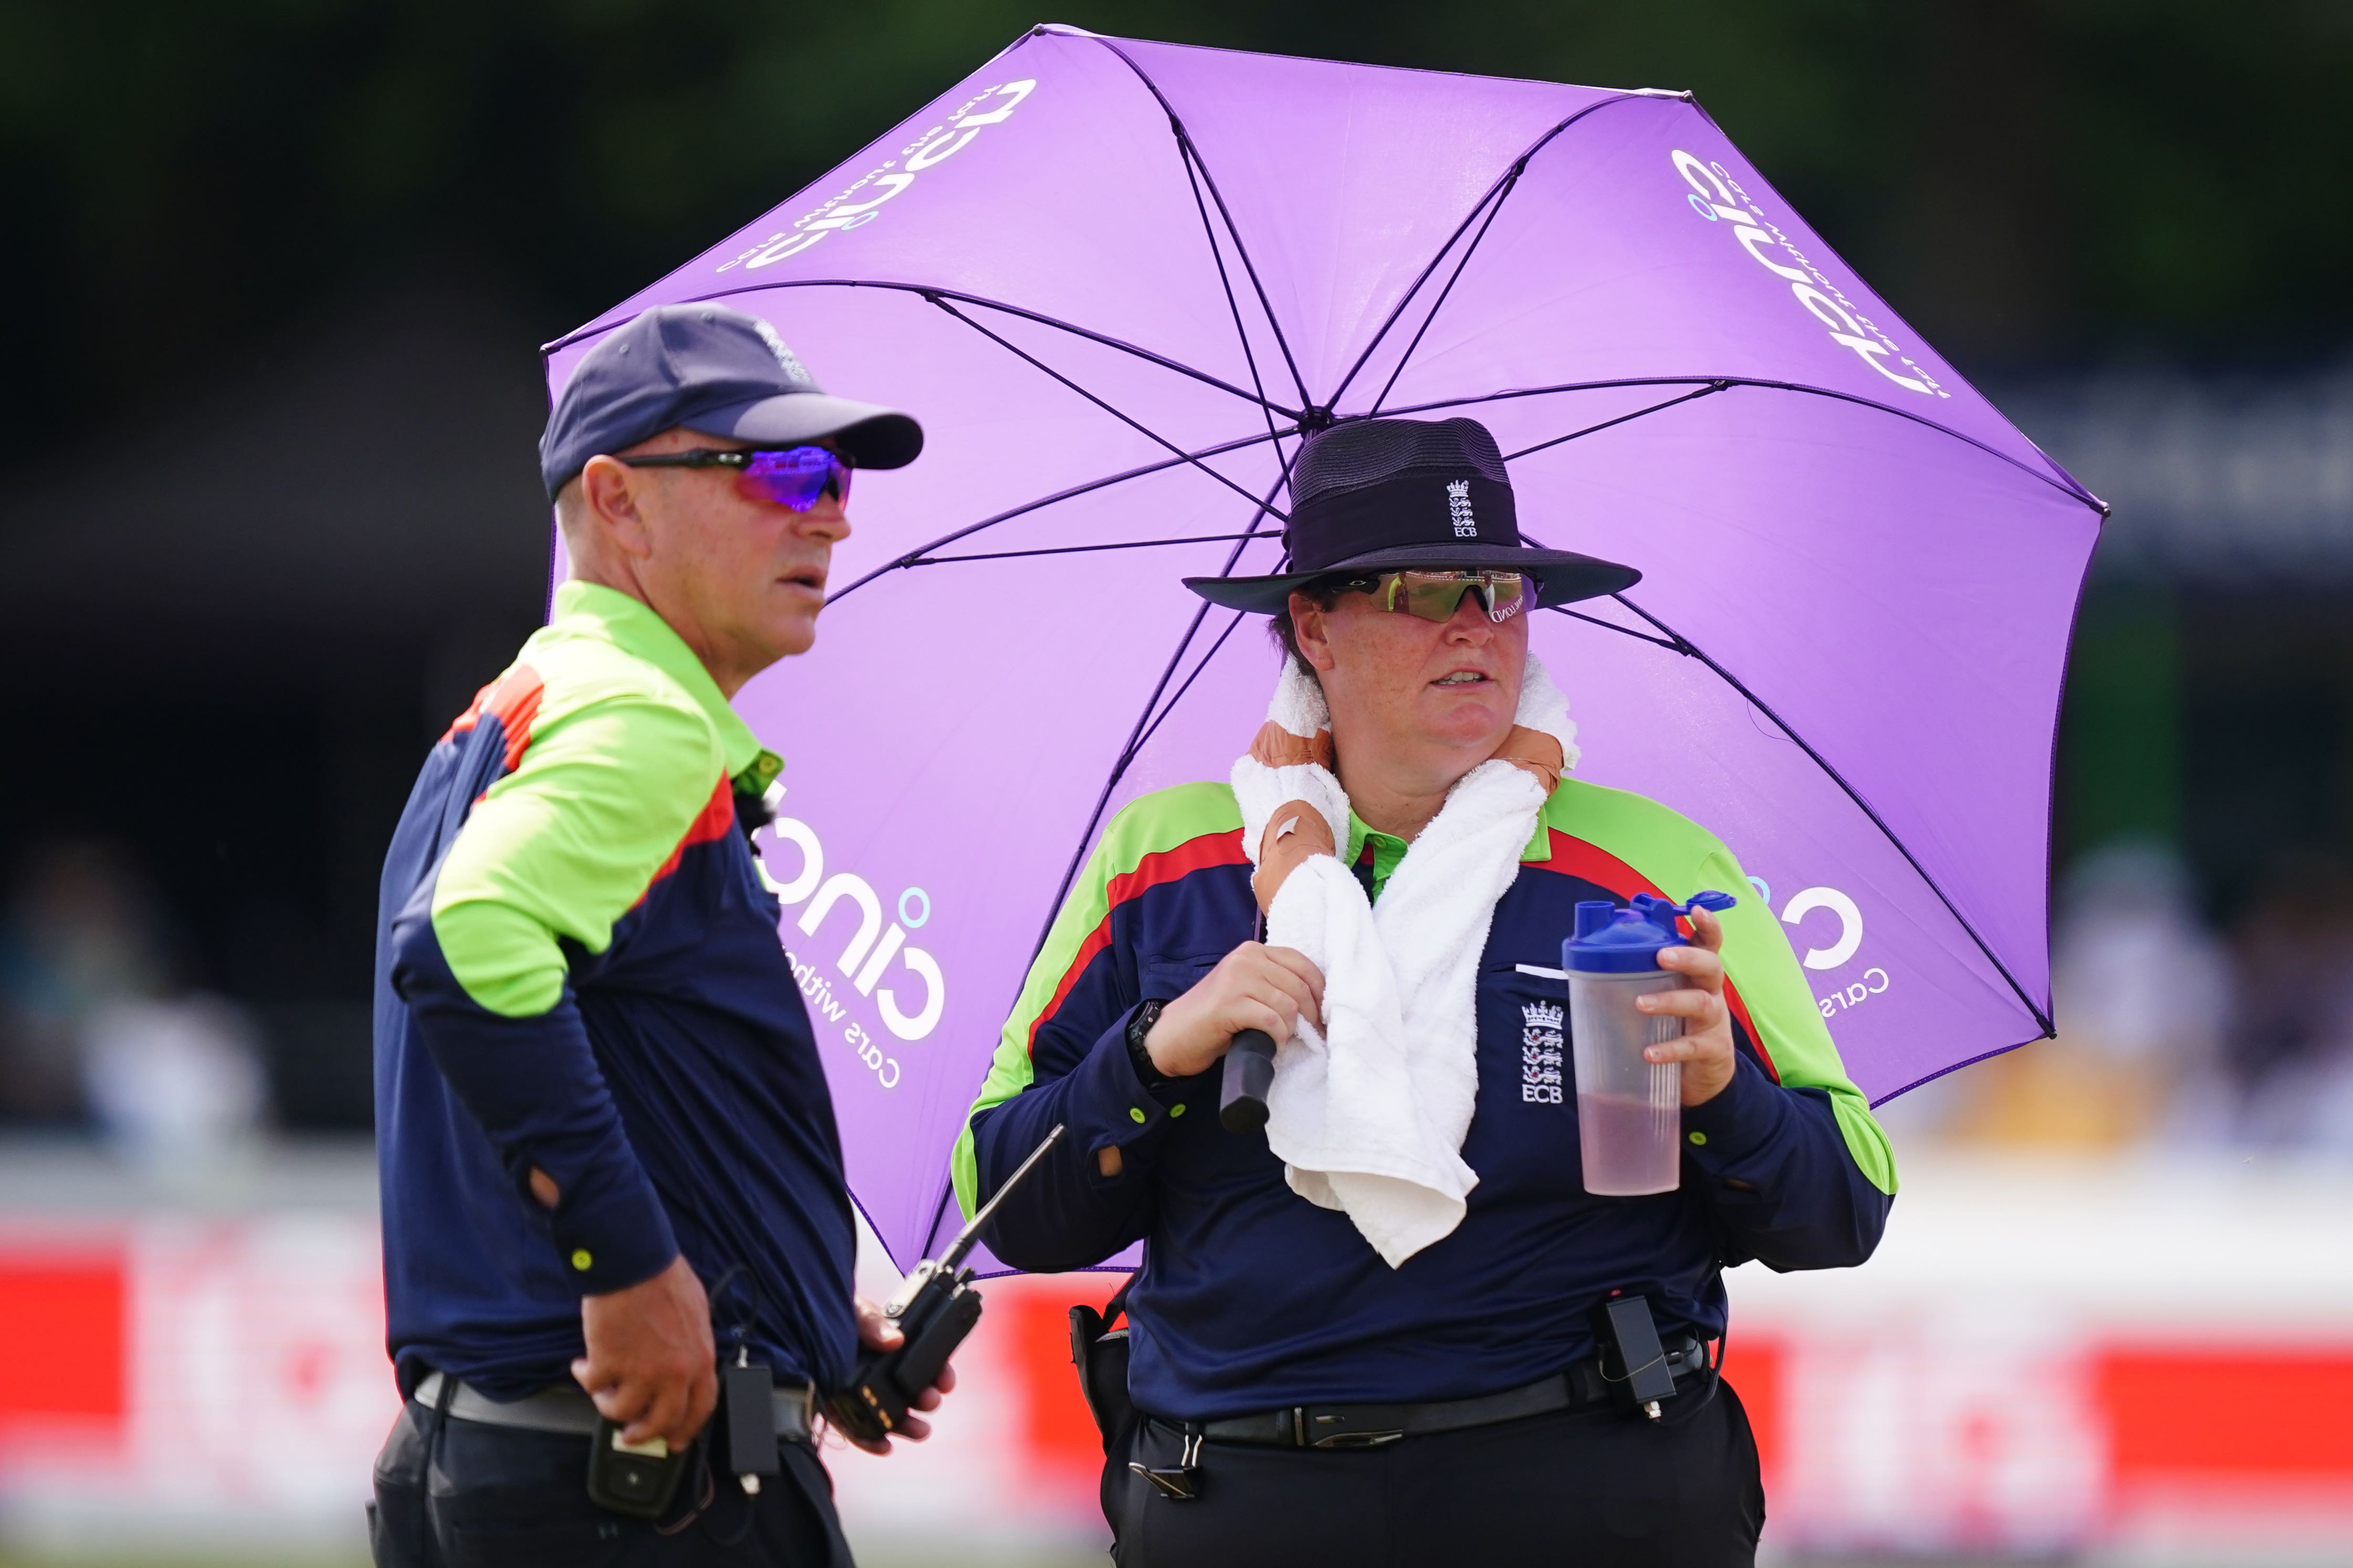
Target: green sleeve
{"points": [[1153, 825], [567, 844], [1680, 857]]}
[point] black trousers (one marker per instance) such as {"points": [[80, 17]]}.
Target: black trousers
{"points": [[1589, 1487], [458, 1494]]}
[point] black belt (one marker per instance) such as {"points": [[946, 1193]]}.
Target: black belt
{"points": [[566, 1410], [1368, 1425]]}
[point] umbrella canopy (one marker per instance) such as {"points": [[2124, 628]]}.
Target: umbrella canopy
{"points": [[1117, 280]]}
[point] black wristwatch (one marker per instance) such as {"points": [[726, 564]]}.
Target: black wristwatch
{"points": [[1137, 1028]]}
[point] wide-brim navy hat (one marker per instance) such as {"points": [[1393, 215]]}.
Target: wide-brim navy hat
{"points": [[1392, 495], [716, 371]]}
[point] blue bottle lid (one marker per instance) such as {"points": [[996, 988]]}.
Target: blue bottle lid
{"points": [[1611, 941]]}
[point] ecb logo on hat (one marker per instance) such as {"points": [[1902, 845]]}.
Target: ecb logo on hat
{"points": [[1457, 502], [787, 360]]}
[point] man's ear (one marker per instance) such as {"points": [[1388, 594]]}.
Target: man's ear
{"points": [[1310, 628], [609, 493]]}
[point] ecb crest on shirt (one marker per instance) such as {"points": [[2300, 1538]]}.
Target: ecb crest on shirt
{"points": [[1540, 1059]]}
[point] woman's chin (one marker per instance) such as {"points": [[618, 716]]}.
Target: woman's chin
{"points": [[1462, 722]]}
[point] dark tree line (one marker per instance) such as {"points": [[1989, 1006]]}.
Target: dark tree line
{"points": [[2033, 182]]}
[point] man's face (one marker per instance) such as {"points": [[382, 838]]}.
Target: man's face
{"points": [[1450, 690], [740, 577]]}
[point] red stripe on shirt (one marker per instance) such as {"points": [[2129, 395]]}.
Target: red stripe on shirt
{"points": [[1573, 856], [513, 700], [716, 821], [1167, 866], [464, 721]]}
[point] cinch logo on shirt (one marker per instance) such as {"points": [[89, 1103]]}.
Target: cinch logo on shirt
{"points": [[1457, 502], [1540, 1053]]}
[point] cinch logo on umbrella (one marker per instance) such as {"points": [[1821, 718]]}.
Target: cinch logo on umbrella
{"points": [[865, 958], [933, 147], [1874, 981], [1721, 199]]}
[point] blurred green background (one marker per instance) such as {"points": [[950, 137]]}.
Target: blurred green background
{"points": [[2033, 181]]}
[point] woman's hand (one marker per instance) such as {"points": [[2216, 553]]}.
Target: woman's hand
{"points": [[879, 1332], [1253, 987], [1705, 1050]]}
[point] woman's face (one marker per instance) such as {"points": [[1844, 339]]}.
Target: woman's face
{"points": [[1432, 699]]}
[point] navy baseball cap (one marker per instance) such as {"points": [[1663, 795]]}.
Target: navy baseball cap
{"points": [[717, 371]]}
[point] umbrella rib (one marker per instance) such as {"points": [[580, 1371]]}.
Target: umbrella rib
{"points": [[1135, 736], [1613, 626], [1500, 189], [1178, 696], [1437, 304], [2072, 492], [939, 1212], [1194, 174], [1709, 390], [1686, 646], [1942, 1072], [910, 559], [1118, 768], [1133, 423], [1502, 184], [1072, 549], [1186, 149], [935, 293]]}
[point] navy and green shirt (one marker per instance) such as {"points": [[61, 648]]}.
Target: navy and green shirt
{"points": [[1251, 1298], [577, 970]]}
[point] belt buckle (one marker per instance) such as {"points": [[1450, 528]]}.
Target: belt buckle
{"points": [[1367, 1437]]}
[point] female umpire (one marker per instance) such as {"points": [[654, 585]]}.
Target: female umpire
{"points": [[1375, 1333]]}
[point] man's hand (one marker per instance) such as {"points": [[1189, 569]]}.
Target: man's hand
{"points": [[878, 1333], [650, 1361], [1705, 1050], [1253, 987]]}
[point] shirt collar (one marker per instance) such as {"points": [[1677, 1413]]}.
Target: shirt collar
{"points": [[1538, 846], [631, 626]]}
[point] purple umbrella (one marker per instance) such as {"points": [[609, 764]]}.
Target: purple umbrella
{"points": [[1115, 280]]}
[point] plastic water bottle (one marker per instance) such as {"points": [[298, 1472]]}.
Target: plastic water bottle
{"points": [[1628, 1108]]}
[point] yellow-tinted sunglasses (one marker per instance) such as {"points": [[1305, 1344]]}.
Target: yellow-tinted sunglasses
{"points": [[1436, 595]]}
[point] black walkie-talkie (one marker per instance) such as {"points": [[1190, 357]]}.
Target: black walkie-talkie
{"points": [[1249, 1077], [935, 1308]]}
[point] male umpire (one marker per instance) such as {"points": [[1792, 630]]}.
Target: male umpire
{"points": [[609, 1158]]}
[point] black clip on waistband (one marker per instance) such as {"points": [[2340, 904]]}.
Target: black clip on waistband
{"points": [[1182, 1481], [1630, 1332]]}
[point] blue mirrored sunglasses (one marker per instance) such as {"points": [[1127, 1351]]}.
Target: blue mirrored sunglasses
{"points": [[794, 477]]}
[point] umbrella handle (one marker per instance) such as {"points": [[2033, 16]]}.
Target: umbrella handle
{"points": [[1249, 1074]]}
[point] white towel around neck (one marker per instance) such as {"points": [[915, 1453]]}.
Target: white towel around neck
{"points": [[1368, 1113]]}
